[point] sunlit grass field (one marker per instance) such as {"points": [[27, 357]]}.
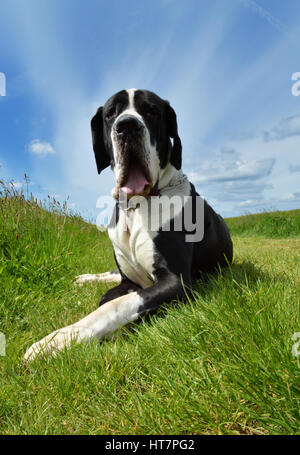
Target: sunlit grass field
{"points": [[220, 364]]}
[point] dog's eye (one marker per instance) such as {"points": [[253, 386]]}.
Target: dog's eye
{"points": [[111, 113], [150, 112]]}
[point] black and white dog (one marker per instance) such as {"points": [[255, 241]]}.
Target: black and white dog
{"points": [[136, 134]]}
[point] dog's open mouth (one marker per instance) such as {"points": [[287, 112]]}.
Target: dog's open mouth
{"points": [[136, 179]]}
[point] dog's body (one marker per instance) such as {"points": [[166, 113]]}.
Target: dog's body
{"points": [[157, 262]]}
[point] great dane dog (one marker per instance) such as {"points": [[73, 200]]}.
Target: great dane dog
{"points": [[158, 258]]}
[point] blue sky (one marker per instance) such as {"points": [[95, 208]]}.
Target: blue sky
{"points": [[224, 65]]}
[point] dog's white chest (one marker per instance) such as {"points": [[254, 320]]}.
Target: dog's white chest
{"points": [[133, 246]]}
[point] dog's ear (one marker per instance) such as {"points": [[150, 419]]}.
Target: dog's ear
{"points": [[175, 158], [101, 155]]}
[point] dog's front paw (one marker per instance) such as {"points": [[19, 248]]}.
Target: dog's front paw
{"points": [[88, 278], [56, 341], [81, 279]]}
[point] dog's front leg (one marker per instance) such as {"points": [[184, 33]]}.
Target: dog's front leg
{"points": [[101, 322], [110, 316]]}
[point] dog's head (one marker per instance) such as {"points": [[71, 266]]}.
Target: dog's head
{"points": [[132, 132]]}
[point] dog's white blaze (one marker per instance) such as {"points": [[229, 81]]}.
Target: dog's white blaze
{"points": [[98, 324], [131, 110], [131, 92]]}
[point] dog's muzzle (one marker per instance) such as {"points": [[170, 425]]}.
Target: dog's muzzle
{"points": [[135, 177]]}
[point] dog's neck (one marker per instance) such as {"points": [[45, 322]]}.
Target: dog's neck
{"points": [[171, 177]]}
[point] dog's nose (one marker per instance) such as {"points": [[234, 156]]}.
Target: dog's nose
{"points": [[128, 124]]}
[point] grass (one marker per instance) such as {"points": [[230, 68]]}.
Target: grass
{"points": [[221, 364], [274, 225]]}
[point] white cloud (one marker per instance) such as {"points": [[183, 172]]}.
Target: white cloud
{"points": [[263, 13], [247, 203], [40, 148], [292, 197], [294, 168], [235, 180], [274, 190], [239, 190], [286, 202], [287, 127], [230, 170]]}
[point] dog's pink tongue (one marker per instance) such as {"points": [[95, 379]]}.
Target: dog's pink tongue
{"points": [[136, 181]]}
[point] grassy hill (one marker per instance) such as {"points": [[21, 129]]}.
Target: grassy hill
{"points": [[221, 364], [273, 224]]}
